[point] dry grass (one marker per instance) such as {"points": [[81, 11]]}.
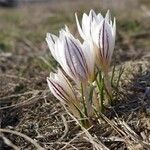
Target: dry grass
{"points": [[27, 106]]}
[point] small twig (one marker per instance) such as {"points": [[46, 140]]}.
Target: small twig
{"points": [[57, 142], [117, 129], [112, 139], [18, 95], [29, 44], [5, 54], [23, 136], [66, 128], [68, 143], [14, 77], [134, 136], [9, 143], [27, 102]]}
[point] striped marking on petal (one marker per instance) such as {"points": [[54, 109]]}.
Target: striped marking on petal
{"points": [[107, 39], [52, 38], [74, 51], [100, 49], [68, 60], [92, 18], [105, 42], [82, 57], [59, 91], [103, 45], [103, 39]]}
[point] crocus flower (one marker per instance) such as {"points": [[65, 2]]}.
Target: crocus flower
{"points": [[62, 89], [101, 32], [76, 59]]}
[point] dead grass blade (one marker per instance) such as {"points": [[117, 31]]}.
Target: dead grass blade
{"points": [[23, 136], [66, 128], [129, 137], [69, 143], [36, 95], [134, 136], [9, 143], [97, 144]]}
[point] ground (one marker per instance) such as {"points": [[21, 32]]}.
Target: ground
{"points": [[26, 104]]}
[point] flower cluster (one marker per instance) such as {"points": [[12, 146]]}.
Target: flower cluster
{"points": [[86, 64]]}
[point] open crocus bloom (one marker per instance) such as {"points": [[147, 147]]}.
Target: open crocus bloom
{"points": [[101, 32], [76, 59]]}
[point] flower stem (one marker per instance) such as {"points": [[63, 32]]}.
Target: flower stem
{"points": [[108, 88], [100, 88], [83, 100]]}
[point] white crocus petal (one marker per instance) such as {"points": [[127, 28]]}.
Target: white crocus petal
{"points": [[56, 46], [61, 57], [62, 49], [92, 13], [85, 30], [79, 27], [51, 39], [60, 87], [113, 33], [95, 18], [59, 52], [71, 56], [64, 82], [86, 24], [75, 59], [99, 18], [106, 41], [96, 33], [114, 29], [55, 90], [108, 17], [90, 59]]}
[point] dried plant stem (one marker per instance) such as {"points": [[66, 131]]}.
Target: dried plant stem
{"points": [[9, 143], [86, 122], [101, 103], [66, 128], [24, 136], [83, 100], [97, 144]]}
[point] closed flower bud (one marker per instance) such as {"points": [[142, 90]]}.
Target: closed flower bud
{"points": [[76, 59]]}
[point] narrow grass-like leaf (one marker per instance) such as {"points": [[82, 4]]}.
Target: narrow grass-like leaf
{"points": [[90, 100], [91, 93], [119, 76], [83, 100], [112, 76], [100, 85], [102, 94]]}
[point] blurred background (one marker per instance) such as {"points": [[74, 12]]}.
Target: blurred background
{"points": [[31, 19]]}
